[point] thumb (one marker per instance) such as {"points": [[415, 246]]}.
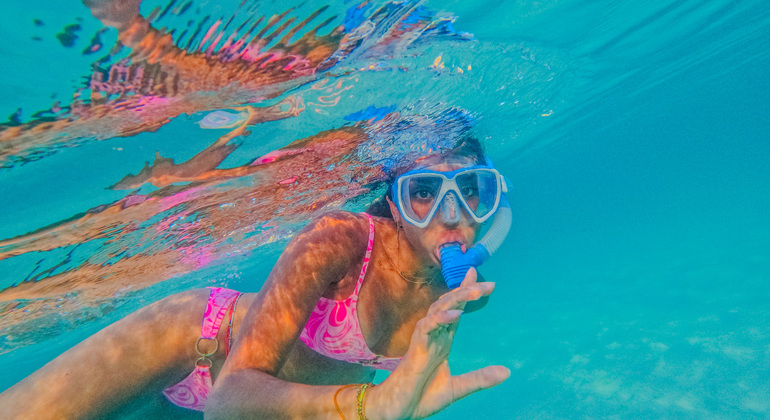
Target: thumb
{"points": [[468, 383]]}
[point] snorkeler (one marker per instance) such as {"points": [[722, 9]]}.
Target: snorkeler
{"points": [[351, 293]]}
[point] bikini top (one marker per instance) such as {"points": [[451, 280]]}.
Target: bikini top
{"points": [[333, 330]]}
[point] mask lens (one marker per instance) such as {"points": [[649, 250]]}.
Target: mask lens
{"points": [[479, 190], [419, 194]]}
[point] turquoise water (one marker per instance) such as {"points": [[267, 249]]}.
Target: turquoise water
{"points": [[634, 281]]}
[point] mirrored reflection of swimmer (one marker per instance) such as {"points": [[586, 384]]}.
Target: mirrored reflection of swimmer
{"points": [[350, 293], [161, 80], [130, 248], [294, 182], [203, 166]]}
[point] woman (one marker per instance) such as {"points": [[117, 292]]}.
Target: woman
{"points": [[349, 294]]}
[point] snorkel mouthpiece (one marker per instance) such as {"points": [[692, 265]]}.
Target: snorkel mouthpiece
{"points": [[455, 264]]}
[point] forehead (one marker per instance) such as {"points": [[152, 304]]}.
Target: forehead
{"points": [[444, 163]]}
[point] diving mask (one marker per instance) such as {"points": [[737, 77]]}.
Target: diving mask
{"points": [[420, 193]]}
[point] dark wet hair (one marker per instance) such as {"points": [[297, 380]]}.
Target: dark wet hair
{"points": [[466, 146]]}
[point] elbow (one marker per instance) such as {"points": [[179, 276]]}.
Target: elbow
{"points": [[216, 406], [235, 397]]}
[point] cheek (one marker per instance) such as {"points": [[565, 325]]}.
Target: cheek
{"points": [[413, 234], [419, 238], [475, 233], [421, 209]]}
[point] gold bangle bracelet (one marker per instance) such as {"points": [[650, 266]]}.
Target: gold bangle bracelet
{"points": [[336, 404]]}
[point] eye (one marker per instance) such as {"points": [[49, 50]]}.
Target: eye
{"points": [[424, 189], [469, 191], [422, 194]]}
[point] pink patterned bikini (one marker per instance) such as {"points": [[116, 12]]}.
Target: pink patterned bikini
{"points": [[193, 391], [332, 330]]}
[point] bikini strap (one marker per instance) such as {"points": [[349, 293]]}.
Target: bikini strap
{"points": [[369, 247], [216, 307], [229, 342]]}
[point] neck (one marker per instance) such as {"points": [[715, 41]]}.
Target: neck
{"points": [[410, 267]]}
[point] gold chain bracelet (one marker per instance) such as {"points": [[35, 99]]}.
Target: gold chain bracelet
{"points": [[361, 400]]}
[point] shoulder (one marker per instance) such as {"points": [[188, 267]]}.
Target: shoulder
{"points": [[338, 227], [332, 241], [351, 222]]}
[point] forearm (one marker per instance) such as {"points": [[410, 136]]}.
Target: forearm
{"points": [[255, 394]]}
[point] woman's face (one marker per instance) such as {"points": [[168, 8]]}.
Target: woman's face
{"points": [[428, 241]]}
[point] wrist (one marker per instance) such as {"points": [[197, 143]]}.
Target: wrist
{"points": [[378, 405], [356, 402], [372, 408]]}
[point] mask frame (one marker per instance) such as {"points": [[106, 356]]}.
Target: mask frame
{"points": [[448, 184]]}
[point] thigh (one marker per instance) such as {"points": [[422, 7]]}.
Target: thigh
{"points": [[138, 355]]}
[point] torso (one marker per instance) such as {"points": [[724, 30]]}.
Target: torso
{"points": [[388, 309], [161, 338], [387, 316]]}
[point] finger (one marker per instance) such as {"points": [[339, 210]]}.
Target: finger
{"points": [[457, 298], [439, 320], [468, 383], [470, 277]]}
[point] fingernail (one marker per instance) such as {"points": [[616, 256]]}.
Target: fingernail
{"points": [[454, 313]]}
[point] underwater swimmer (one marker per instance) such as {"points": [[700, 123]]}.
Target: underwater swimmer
{"points": [[349, 294]]}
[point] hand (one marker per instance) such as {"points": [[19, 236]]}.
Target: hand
{"points": [[115, 13], [422, 385]]}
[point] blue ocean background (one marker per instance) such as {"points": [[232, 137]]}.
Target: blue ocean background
{"points": [[635, 280]]}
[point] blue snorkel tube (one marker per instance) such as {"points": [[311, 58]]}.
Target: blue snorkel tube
{"points": [[455, 264]]}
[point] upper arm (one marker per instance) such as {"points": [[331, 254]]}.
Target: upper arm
{"points": [[320, 254]]}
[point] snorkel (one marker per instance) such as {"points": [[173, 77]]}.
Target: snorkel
{"points": [[454, 195], [455, 263]]}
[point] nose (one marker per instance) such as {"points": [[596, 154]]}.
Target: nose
{"points": [[450, 208]]}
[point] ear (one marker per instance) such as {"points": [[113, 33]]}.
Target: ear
{"points": [[394, 211]]}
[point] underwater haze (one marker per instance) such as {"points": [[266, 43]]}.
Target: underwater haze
{"points": [[636, 278]]}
